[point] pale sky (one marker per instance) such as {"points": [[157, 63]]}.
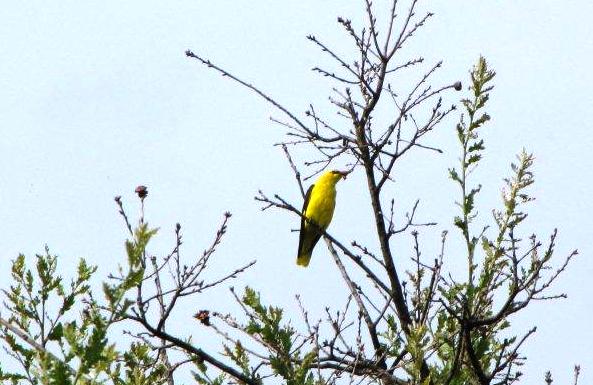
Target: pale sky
{"points": [[98, 97]]}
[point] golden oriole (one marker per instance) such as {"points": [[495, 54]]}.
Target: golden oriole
{"points": [[318, 211]]}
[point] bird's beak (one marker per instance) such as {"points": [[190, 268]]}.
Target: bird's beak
{"points": [[344, 174]]}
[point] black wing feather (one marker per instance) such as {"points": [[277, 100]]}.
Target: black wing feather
{"points": [[302, 232], [315, 240]]}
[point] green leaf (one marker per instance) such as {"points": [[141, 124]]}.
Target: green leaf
{"points": [[56, 333], [454, 175], [59, 374]]}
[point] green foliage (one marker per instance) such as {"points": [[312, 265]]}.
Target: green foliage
{"points": [[37, 303], [66, 333], [392, 337], [286, 360], [134, 371], [472, 148], [202, 378], [417, 344], [469, 335], [116, 294]]}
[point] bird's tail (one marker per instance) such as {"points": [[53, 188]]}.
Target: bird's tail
{"points": [[305, 250], [303, 259]]}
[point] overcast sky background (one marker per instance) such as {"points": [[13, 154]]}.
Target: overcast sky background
{"points": [[98, 97]]}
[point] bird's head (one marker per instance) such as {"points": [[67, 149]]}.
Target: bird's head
{"points": [[336, 175]]}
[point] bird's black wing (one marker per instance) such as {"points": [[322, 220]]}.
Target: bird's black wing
{"points": [[302, 232]]}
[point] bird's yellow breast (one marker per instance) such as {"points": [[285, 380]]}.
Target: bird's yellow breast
{"points": [[322, 202]]}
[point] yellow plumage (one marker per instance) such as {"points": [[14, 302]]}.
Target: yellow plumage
{"points": [[318, 209]]}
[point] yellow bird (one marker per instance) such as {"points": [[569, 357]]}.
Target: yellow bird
{"points": [[318, 208]]}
